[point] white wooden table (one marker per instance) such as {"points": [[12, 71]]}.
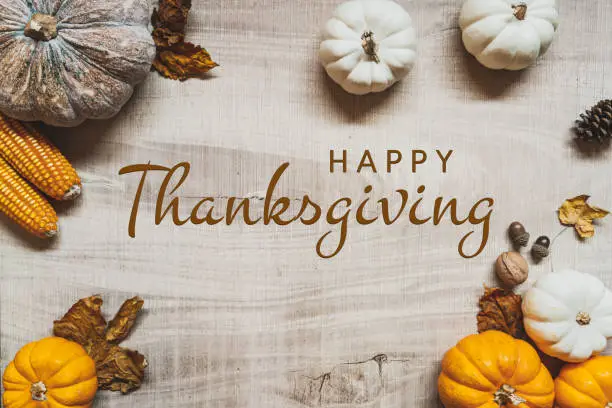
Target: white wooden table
{"points": [[240, 316]]}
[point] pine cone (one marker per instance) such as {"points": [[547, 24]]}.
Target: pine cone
{"points": [[595, 125]]}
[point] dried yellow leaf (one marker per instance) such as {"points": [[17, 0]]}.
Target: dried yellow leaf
{"points": [[578, 213]]}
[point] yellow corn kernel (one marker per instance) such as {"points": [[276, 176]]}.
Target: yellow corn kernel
{"points": [[24, 205], [38, 160]]}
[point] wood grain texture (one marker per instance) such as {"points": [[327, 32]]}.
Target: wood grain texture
{"points": [[249, 316]]}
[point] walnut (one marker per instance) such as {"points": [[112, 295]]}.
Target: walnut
{"points": [[511, 268]]}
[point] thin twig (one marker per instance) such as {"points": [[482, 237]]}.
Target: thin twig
{"points": [[552, 242]]}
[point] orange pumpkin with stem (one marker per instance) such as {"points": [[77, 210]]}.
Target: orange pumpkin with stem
{"points": [[50, 373], [492, 370], [585, 385]]}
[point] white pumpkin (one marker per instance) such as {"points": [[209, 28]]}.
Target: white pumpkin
{"points": [[508, 34], [368, 45], [569, 315]]}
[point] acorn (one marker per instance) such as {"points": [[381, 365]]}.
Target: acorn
{"points": [[540, 247], [518, 235]]}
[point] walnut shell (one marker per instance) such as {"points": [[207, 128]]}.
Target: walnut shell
{"points": [[511, 268]]}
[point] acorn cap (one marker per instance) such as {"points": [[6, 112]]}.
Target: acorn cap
{"points": [[539, 251], [540, 247], [522, 239]]}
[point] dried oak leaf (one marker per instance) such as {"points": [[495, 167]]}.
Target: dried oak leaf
{"points": [[501, 310], [172, 14], [83, 323], [165, 38], [119, 328], [578, 213], [183, 61], [177, 59], [117, 368]]}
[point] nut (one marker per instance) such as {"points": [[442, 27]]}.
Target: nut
{"points": [[511, 268], [518, 235], [540, 247]]}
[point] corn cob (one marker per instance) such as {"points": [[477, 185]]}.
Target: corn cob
{"points": [[38, 160], [24, 205]]}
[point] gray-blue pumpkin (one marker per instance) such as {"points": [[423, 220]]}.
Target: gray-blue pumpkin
{"points": [[64, 61]]}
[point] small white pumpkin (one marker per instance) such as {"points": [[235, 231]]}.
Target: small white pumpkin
{"points": [[569, 315], [508, 34], [368, 45]]}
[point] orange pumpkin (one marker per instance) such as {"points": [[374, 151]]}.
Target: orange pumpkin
{"points": [[50, 373], [585, 385], [492, 370]]}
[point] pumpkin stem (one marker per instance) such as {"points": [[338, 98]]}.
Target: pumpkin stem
{"points": [[520, 11], [369, 46], [583, 319], [41, 27], [39, 391], [506, 396]]}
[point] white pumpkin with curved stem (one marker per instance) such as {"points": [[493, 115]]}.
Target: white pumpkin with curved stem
{"points": [[368, 45], [508, 34], [569, 315]]}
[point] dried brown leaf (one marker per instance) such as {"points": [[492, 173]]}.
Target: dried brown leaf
{"points": [[83, 323], [578, 213], [501, 310], [172, 14], [117, 368], [183, 61], [121, 325], [177, 59], [166, 38]]}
